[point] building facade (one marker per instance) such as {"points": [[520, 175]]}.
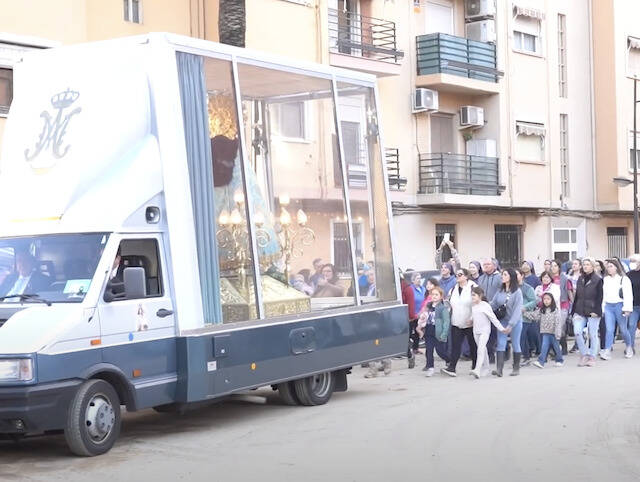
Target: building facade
{"points": [[504, 121]]}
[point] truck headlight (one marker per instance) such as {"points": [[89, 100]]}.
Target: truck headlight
{"points": [[16, 370]]}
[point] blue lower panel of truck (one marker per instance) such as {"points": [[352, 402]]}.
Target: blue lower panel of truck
{"points": [[204, 365], [213, 364]]}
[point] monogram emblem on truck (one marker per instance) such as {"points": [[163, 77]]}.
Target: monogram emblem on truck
{"points": [[54, 128]]}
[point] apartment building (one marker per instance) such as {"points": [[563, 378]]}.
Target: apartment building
{"points": [[500, 118]]}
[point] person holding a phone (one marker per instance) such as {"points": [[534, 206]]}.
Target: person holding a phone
{"points": [[587, 311]]}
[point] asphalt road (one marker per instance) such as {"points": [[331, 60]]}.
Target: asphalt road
{"points": [[554, 424]]}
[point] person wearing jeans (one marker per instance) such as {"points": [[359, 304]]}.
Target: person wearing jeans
{"points": [[436, 321], [634, 316], [616, 307], [527, 341], [551, 320], [510, 297], [587, 311]]}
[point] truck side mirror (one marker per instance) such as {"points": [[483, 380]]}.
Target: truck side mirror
{"points": [[135, 283]]}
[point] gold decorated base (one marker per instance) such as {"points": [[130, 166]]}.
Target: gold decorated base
{"points": [[238, 302]]}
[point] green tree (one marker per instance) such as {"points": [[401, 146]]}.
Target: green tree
{"points": [[232, 22]]}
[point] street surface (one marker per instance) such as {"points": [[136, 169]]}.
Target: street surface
{"points": [[554, 424]]}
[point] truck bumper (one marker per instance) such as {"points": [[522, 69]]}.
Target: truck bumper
{"points": [[36, 408]]}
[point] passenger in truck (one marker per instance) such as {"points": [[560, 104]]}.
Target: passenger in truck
{"points": [[26, 279]]}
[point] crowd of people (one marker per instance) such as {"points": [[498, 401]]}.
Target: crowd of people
{"points": [[488, 314]]}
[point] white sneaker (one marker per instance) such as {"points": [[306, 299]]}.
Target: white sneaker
{"points": [[537, 364], [628, 353], [559, 364], [430, 372], [605, 354]]}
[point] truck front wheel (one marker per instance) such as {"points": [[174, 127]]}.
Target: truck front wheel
{"points": [[93, 422]]}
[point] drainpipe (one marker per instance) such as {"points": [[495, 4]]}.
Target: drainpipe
{"points": [[593, 118], [507, 79]]}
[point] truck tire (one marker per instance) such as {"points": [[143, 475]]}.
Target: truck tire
{"points": [[287, 392], [316, 389], [93, 422]]}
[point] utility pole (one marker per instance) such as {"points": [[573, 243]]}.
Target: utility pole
{"points": [[636, 235]]}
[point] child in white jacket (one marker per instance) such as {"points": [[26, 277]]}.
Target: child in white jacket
{"points": [[483, 316]]}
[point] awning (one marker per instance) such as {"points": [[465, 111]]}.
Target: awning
{"points": [[530, 129], [634, 43], [528, 12]]}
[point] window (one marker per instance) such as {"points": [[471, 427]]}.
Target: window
{"points": [[289, 120], [530, 142], [6, 89], [508, 243], [562, 55], [526, 34], [341, 251], [630, 141], [633, 57], [354, 154], [564, 155], [441, 230], [58, 268], [617, 242], [136, 253], [133, 11], [565, 244]]}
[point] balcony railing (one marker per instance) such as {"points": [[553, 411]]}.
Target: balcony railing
{"points": [[396, 183], [361, 36], [459, 174], [439, 53]]}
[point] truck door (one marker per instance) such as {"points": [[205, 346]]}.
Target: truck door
{"points": [[138, 329]]}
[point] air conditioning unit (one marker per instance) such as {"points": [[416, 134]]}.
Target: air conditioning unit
{"points": [[471, 116], [482, 147], [425, 100], [477, 9], [483, 31]]}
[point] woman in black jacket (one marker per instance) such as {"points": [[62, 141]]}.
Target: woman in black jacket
{"points": [[587, 311]]}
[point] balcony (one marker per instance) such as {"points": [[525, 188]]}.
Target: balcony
{"points": [[460, 174], [456, 64], [396, 183], [363, 43]]}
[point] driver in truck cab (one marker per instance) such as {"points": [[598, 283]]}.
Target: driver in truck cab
{"points": [[26, 279]]}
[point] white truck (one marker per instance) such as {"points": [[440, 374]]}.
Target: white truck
{"points": [[181, 221]]}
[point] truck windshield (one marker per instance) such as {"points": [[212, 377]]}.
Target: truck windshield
{"points": [[56, 268]]}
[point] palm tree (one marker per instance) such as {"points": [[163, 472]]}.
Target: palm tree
{"points": [[232, 22]]}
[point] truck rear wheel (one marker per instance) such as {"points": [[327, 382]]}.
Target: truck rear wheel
{"points": [[93, 422], [287, 392], [316, 389]]}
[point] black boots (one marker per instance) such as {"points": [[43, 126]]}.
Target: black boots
{"points": [[516, 364], [499, 364]]}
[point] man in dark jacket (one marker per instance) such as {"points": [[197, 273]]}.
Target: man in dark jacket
{"points": [[587, 311], [27, 279], [634, 317]]}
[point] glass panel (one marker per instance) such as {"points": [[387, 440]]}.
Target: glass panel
{"points": [[126, 9], [295, 200], [135, 11], [560, 235], [529, 42], [369, 206], [6, 89], [237, 280], [57, 268], [573, 236]]}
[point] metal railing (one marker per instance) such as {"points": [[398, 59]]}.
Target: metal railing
{"points": [[396, 182], [439, 53], [441, 173], [361, 36]]}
